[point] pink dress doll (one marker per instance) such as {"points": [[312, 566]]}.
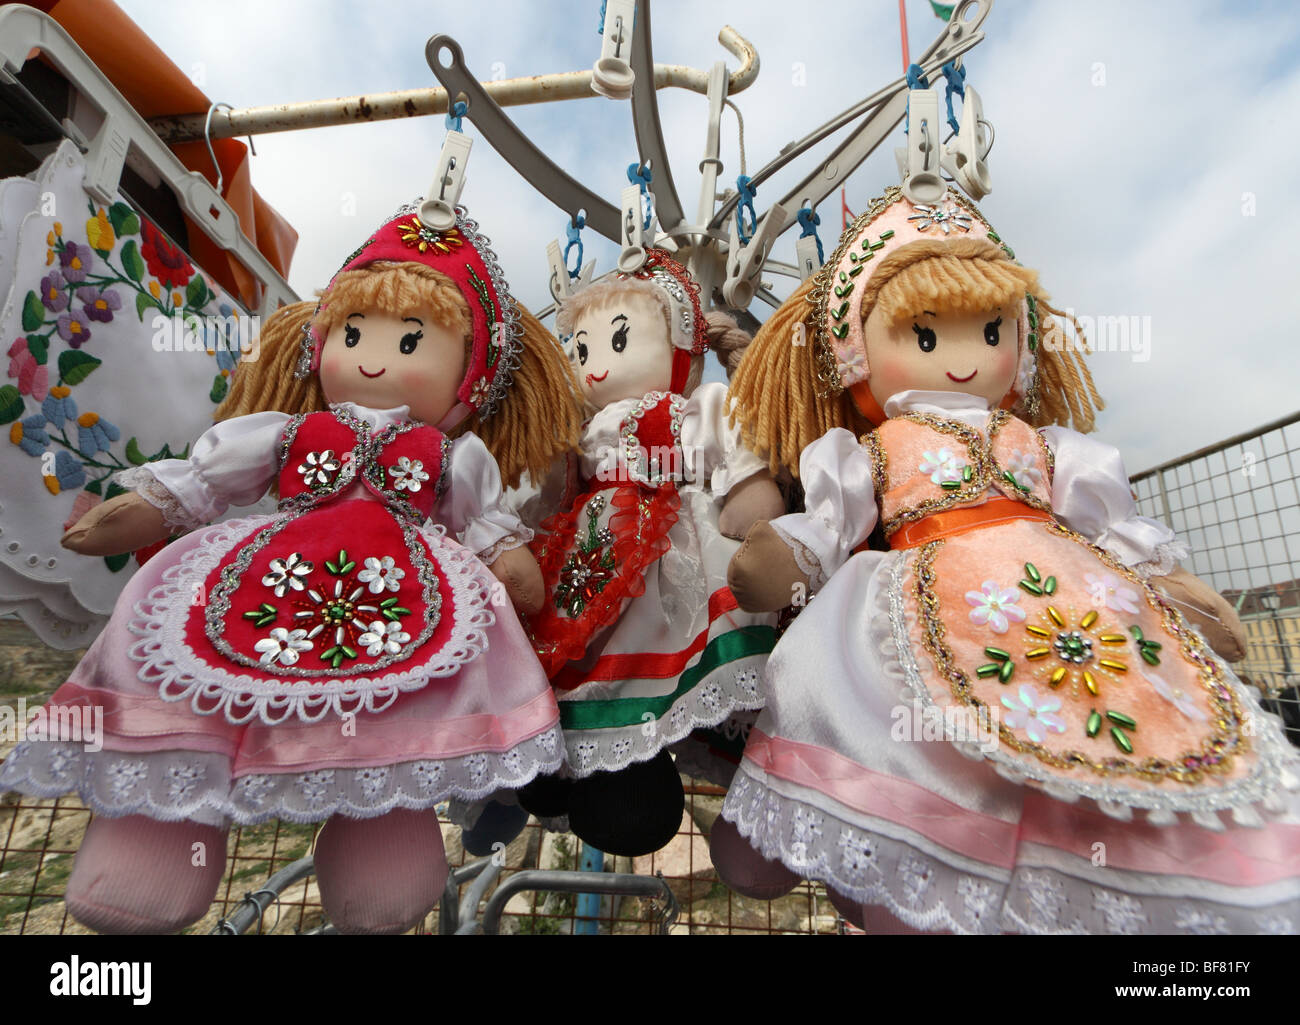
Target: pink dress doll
{"points": [[640, 635], [349, 658], [1123, 779]]}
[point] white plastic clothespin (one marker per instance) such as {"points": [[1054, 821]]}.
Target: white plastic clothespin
{"points": [[612, 75], [438, 211], [562, 286], [964, 156], [636, 235], [919, 162], [745, 262]]}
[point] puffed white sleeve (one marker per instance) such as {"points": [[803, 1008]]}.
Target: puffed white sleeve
{"points": [[233, 462], [1091, 496], [473, 505], [712, 446], [839, 505]]}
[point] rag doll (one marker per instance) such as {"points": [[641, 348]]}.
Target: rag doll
{"points": [[1119, 768], [639, 634], [346, 659]]}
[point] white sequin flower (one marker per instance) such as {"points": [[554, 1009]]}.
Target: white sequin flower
{"points": [[319, 468], [408, 474], [1034, 714], [1024, 468], [942, 466], [287, 574], [384, 637], [381, 574], [851, 366], [1110, 591], [283, 646], [995, 606], [1177, 697]]}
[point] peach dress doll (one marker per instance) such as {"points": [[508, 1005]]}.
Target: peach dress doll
{"points": [[955, 724]]}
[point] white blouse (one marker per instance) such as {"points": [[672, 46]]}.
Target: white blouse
{"points": [[715, 457], [235, 462], [1090, 491]]}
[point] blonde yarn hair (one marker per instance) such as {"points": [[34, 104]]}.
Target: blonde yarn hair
{"points": [[776, 398], [539, 420]]}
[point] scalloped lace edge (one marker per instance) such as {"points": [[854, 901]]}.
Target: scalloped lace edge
{"points": [[739, 688], [194, 785], [172, 666], [804, 557], [142, 481], [928, 892]]}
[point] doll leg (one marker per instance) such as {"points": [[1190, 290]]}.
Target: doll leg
{"points": [[744, 869], [630, 812], [499, 823], [138, 875], [547, 797], [875, 920], [381, 875]]}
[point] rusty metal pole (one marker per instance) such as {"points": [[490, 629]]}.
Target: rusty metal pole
{"points": [[569, 85]]}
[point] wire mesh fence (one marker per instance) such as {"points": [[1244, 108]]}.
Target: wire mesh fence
{"points": [[1237, 504]]}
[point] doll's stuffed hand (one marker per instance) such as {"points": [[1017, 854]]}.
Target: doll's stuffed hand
{"points": [[753, 499], [518, 571], [121, 524], [1207, 610], [763, 574]]}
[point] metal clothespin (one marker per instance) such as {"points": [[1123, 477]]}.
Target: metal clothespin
{"points": [[745, 262], [964, 156], [920, 161], [438, 211], [612, 75]]}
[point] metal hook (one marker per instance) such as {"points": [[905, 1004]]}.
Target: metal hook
{"points": [[618, 36], [446, 178], [207, 137]]}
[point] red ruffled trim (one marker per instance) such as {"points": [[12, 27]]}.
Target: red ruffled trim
{"points": [[559, 639]]}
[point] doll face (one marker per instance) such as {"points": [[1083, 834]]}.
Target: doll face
{"points": [[622, 349], [974, 353], [379, 360]]}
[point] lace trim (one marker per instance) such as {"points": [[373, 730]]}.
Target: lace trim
{"points": [[735, 686], [175, 785], [1275, 770], [170, 664], [141, 480], [1164, 560], [930, 889], [805, 558], [506, 544]]}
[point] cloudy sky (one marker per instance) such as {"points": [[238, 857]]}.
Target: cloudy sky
{"points": [[1142, 159]]}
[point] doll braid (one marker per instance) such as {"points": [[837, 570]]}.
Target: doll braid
{"points": [[1067, 394], [267, 380], [541, 417], [775, 393]]}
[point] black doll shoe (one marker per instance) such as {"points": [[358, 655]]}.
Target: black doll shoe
{"points": [[546, 797], [498, 823], [632, 812]]}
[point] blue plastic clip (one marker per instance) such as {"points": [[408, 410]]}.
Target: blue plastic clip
{"points": [[573, 231], [747, 193], [808, 220]]}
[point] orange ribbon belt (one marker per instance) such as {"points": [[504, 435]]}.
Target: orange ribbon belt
{"points": [[962, 519]]}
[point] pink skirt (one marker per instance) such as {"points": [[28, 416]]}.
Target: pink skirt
{"points": [[136, 729]]}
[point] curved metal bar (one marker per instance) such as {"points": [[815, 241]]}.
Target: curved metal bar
{"points": [[505, 137], [474, 897], [645, 120], [580, 882], [957, 37], [254, 905]]}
